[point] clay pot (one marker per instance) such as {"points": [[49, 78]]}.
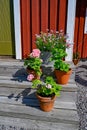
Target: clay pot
{"points": [[62, 77], [46, 103], [75, 61], [31, 71]]}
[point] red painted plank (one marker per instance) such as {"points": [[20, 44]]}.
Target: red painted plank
{"points": [[81, 29], [62, 14], [76, 34], [76, 30], [80, 37], [44, 15], [35, 20], [25, 27], [84, 55], [80, 45], [53, 14], [28, 28]]}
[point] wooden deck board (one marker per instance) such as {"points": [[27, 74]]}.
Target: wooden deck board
{"points": [[20, 107], [55, 115], [22, 83], [36, 124], [65, 101]]}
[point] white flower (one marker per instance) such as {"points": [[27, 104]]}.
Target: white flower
{"points": [[48, 86]]}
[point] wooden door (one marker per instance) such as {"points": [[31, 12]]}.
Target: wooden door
{"points": [[6, 28], [80, 36]]}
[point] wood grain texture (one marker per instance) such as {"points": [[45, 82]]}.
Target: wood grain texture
{"points": [[25, 27], [44, 15], [30, 124], [35, 20], [62, 14], [53, 15], [79, 36], [20, 107]]}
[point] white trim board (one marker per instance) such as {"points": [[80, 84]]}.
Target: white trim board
{"points": [[70, 27], [85, 27], [17, 28]]}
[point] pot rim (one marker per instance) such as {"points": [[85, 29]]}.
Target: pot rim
{"points": [[69, 72], [48, 98]]}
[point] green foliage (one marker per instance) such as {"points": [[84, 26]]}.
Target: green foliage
{"points": [[49, 40], [33, 63], [58, 53], [47, 89], [61, 65], [60, 41], [45, 41], [59, 49], [36, 82]]}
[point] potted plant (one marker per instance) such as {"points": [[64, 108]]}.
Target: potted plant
{"points": [[76, 58], [46, 92], [33, 64], [45, 42], [62, 69]]}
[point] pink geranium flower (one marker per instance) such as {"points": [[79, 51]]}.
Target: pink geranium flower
{"points": [[30, 77], [68, 45], [36, 53]]}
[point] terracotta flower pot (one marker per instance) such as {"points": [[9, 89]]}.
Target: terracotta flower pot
{"points": [[46, 103], [31, 71], [62, 77], [75, 61]]}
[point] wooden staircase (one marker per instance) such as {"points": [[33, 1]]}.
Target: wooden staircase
{"points": [[20, 108]]}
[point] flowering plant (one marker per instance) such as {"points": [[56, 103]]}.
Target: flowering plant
{"points": [[33, 62], [47, 41], [61, 65], [57, 56], [59, 52], [47, 89]]}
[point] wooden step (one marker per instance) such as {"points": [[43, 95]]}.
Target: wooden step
{"points": [[34, 113], [19, 106], [27, 97], [16, 67], [32, 124], [21, 82], [14, 72]]}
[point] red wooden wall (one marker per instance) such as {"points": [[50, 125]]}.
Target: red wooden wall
{"points": [[39, 15], [79, 37]]}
